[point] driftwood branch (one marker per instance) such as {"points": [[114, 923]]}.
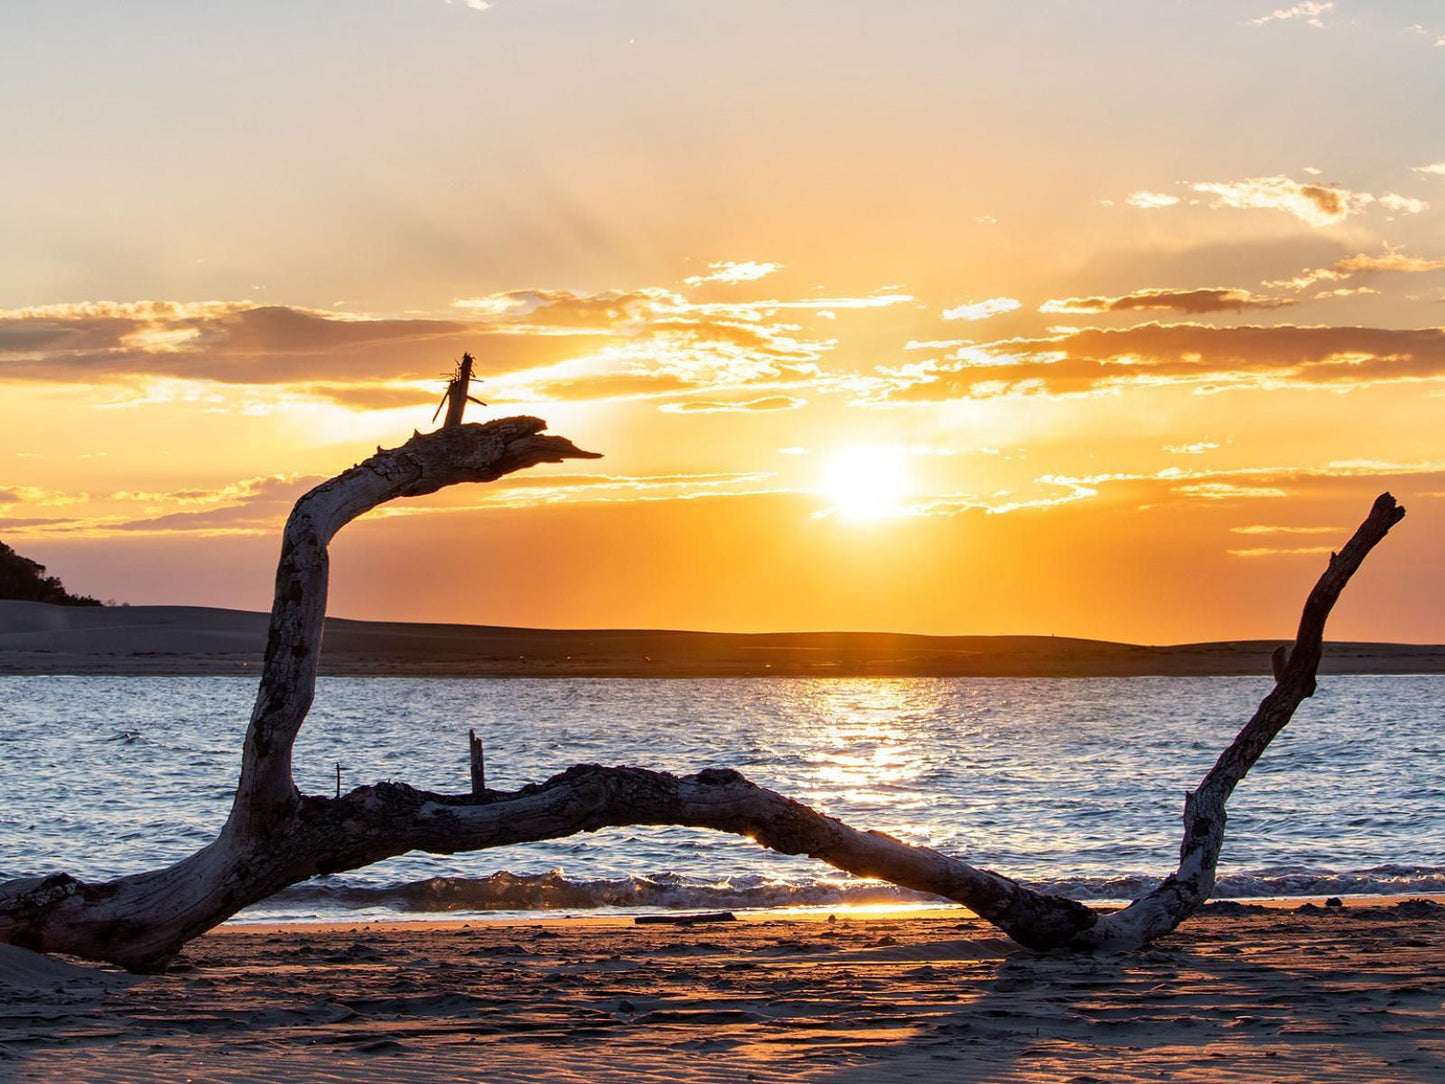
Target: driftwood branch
{"points": [[1181, 893], [453, 454], [275, 836]]}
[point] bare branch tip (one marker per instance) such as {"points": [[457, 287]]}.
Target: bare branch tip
{"points": [[1385, 504]]}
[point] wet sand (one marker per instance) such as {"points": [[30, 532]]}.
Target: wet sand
{"points": [[1264, 995], [177, 640]]}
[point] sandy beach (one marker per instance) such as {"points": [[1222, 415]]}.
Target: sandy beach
{"points": [[1279, 994]]}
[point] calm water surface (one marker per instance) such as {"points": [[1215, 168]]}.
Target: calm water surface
{"points": [[1071, 784]]}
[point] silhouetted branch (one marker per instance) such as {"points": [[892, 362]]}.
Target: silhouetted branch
{"points": [[275, 836]]}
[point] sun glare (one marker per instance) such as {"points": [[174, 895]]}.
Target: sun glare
{"points": [[866, 483]]}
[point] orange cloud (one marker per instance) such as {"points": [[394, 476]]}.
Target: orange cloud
{"points": [[1394, 261], [235, 343], [375, 396], [1308, 10], [1361, 264], [533, 492], [730, 273], [1314, 204], [772, 402], [255, 506], [1263, 529], [1092, 360], [1198, 447], [1152, 201], [547, 344], [982, 310], [1201, 487], [564, 312], [1214, 299], [1280, 551], [1403, 205]]}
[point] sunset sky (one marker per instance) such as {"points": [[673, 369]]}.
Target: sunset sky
{"points": [[1098, 319]]}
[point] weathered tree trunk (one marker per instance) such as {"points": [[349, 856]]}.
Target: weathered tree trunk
{"points": [[1181, 893], [275, 836]]}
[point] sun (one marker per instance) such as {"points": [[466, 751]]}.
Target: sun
{"points": [[866, 483]]}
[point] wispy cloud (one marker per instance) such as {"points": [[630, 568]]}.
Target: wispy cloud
{"points": [[529, 491], [1403, 205], [1211, 299], [1344, 291], [258, 506], [250, 506], [230, 342], [772, 402], [1280, 551], [935, 344], [1214, 486], [1199, 447], [726, 271], [1361, 264], [40, 497], [1150, 201], [1391, 262], [1228, 491], [1309, 11], [530, 345], [1096, 360], [982, 310], [1258, 528], [254, 505], [1314, 204], [1222, 487]]}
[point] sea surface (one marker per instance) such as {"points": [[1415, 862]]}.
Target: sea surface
{"points": [[1073, 785]]}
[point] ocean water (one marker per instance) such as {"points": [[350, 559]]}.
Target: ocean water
{"points": [[1073, 785]]}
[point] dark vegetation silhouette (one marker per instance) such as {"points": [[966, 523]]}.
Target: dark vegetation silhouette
{"points": [[25, 580], [276, 836]]}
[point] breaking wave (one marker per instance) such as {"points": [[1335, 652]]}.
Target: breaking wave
{"points": [[554, 891]]}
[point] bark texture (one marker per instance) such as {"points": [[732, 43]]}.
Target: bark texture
{"points": [[276, 836], [1295, 668]]}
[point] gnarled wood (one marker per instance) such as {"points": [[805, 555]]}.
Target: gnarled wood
{"points": [[267, 794], [1181, 893], [275, 836]]}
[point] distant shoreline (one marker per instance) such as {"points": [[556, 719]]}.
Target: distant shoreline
{"points": [[36, 639]]}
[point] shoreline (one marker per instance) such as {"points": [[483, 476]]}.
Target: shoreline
{"points": [[175, 641], [11, 666], [431, 922], [1274, 994]]}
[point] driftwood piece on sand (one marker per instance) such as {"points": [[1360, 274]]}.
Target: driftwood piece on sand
{"points": [[275, 836]]}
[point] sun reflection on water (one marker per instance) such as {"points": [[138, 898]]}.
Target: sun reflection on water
{"points": [[1071, 784], [864, 745]]}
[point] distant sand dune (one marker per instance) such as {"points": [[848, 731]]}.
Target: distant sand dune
{"points": [[36, 638]]}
